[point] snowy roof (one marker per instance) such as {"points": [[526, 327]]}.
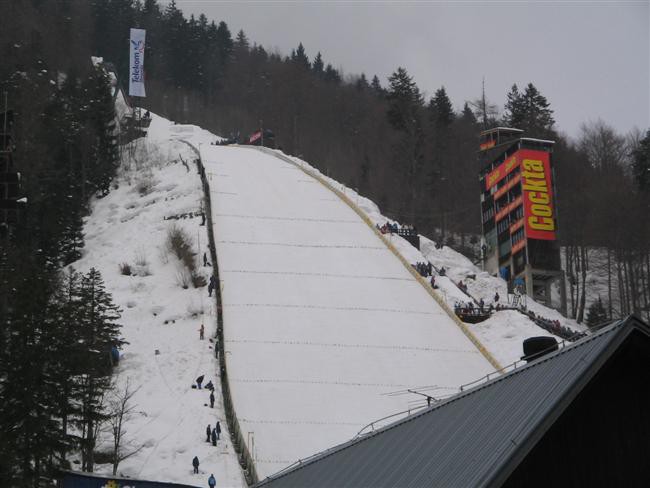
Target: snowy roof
{"points": [[473, 439], [494, 129], [530, 139]]}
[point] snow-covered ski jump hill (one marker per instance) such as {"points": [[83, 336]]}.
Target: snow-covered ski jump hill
{"points": [[325, 326]]}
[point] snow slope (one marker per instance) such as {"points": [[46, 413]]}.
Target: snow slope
{"points": [[325, 329], [161, 319], [321, 321]]}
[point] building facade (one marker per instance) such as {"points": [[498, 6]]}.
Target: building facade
{"points": [[518, 213]]}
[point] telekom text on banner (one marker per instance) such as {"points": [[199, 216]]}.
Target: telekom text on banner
{"points": [[136, 63], [538, 194]]}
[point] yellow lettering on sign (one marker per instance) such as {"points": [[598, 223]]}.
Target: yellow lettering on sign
{"points": [[539, 197], [533, 165], [541, 223], [541, 210]]}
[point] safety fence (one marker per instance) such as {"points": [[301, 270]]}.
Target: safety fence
{"points": [[243, 454], [393, 249]]}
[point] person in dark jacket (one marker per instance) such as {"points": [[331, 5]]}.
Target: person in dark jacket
{"points": [[211, 481], [208, 431], [212, 285], [218, 429], [199, 380], [195, 463], [212, 399], [209, 386], [214, 437]]}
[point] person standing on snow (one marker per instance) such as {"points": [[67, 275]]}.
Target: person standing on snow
{"points": [[208, 431], [199, 380], [212, 399], [195, 463], [212, 285], [211, 481], [201, 332], [214, 437], [218, 429]]}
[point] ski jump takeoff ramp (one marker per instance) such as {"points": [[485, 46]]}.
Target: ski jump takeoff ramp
{"points": [[322, 322]]}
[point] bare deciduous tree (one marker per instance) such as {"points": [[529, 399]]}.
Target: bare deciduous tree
{"points": [[120, 410]]}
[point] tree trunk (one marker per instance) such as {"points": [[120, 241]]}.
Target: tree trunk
{"points": [[583, 274]]}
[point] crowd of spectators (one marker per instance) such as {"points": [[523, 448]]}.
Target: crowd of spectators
{"points": [[554, 327], [424, 269], [393, 228]]}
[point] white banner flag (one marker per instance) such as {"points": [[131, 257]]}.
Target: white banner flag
{"points": [[136, 63]]}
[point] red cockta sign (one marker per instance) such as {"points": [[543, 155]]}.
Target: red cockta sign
{"points": [[538, 194], [501, 171]]}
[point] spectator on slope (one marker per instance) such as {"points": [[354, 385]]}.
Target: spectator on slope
{"points": [[212, 285], [433, 282], [218, 429], [208, 431], [195, 463], [209, 386], [199, 380], [481, 304], [201, 332], [213, 436], [496, 297], [211, 481], [212, 399]]}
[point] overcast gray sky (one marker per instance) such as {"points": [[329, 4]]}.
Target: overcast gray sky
{"points": [[590, 59]]}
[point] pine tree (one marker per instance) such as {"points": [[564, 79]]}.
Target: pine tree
{"points": [[596, 314], [99, 332], [514, 108], [362, 83], [224, 43], [467, 115], [300, 59], [440, 108], [331, 75], [318, 65], [376, 86], [101, 114], [404, 115], [241, 41], [404, 100], [529, 111], [31, 431]]}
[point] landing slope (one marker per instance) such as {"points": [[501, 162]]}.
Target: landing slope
{"points": [[321, 320]]}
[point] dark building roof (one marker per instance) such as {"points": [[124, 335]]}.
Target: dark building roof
{"points": [[476, 438]]}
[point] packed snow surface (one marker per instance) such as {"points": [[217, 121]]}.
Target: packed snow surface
{"points": [[325, 329], [322, 323]]}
